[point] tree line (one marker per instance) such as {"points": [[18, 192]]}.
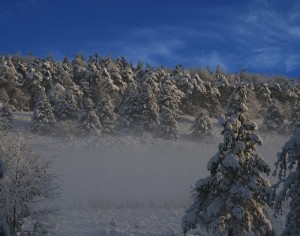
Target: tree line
{"points": [[105, 95]]}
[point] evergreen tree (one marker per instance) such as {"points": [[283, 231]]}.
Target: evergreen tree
{"points": [[65, 108], [130, 112], [273, 120], [150, 78], [202, 127], [43, 120], [149, 108], [223, 86], [231, 200], [6, 118], [263, 94], [117, 78], [56, 93], [168, 127], [168, 101], [11, 83], [294, 121], [170, 97], [127, 75], [89, 121], [183, 81], [289, 160], [205, 96], [106, 114]]}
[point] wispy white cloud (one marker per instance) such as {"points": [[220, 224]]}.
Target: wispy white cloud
{"points": [[211, 59], [267, 36], [258, 35], [264, 58]]}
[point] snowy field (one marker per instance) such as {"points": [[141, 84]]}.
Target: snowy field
{"points": [[127, 185]]}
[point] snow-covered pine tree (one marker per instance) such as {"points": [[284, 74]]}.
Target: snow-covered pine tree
{"points": [[289, 160], [96, 84], [56, 93], [130, 112], [223, 86], [65, 108], [294, 121], [169, 99], [273, 120], [202, 127], [43, 120], [183, 81], [263, 94], [89, 121], [205, 96], [6, 118], [11, 83], [168, 127], [33, 84], [149, 108], [231, 200], [106, 114], [150, 78]]}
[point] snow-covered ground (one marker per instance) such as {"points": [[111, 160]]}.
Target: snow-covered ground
{"points": [[127, 185]]}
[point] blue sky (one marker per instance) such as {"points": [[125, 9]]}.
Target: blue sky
{"points": [[262, 36]]}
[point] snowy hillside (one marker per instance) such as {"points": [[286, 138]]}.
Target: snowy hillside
{"points": [[129, 185]]}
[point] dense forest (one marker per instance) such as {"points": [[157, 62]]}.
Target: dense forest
{"points": [[105, 95]]}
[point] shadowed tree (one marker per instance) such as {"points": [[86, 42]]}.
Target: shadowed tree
{"points": [[43, 120], [289, 161], [6, 117]]}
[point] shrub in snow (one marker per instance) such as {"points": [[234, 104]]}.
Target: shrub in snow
{"points": [[289, 161], [25, 183], [43, 120], [273, 120], [106, 114], [294, 121], [6, 117], [202, 126], [231, 200]]}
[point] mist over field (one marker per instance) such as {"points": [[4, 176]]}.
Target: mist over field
{"points": [[141, 169], [129, 183]]}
